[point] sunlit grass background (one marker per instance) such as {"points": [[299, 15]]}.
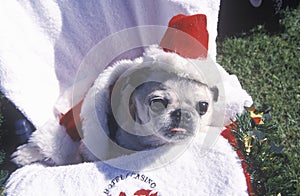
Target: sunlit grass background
{"points": [[268, 66]]}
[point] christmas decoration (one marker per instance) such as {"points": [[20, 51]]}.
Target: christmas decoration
{"points": [[248, 135]]}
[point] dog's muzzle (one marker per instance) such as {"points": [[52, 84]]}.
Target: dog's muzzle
{"points": [[181, 116], [182, 124]]}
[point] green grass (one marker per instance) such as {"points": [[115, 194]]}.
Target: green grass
{"points": [[268, 67], [3, 174]]}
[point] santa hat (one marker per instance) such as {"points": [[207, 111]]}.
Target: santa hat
{"points": [[187, 36]]}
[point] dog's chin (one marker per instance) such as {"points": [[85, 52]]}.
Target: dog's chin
{"points": [[176, 134]]}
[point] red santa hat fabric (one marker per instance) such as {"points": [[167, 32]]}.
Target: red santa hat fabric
{"points": [[187, 36]]}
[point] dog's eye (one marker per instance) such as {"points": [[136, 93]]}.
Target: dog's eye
{"points": [[202, 107], [157, 105]]}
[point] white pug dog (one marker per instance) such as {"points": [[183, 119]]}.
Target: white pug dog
{"points": [[165, 109], [158, 99]]}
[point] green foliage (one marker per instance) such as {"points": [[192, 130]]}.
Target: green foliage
{"points": [[268, 66], [262, 155]]}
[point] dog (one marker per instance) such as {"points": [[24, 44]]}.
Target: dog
{"points": [[170, 110]]}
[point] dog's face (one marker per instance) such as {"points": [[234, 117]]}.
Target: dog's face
{"points": [[173, 110]]}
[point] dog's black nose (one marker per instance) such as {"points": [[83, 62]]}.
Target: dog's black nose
{"points": [[181, 115]]}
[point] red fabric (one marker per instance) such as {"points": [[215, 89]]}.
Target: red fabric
{"points": [[232, 140], [71, 121], [187, 36]]}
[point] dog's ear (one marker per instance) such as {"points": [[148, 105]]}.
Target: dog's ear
{"points": [[132, 108], [138, 107], [215, 93], [111, 121]]}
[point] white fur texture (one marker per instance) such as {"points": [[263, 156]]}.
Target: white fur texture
{"points": [[51, 145], [217, 172]]}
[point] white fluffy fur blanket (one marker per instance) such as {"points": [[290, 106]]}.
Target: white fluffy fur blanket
{"points": [[42, 46], [213, 171]]}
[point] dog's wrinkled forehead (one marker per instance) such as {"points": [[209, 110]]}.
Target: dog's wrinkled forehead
{"points": [[185, 85], [176, 87], [187, 89]]}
